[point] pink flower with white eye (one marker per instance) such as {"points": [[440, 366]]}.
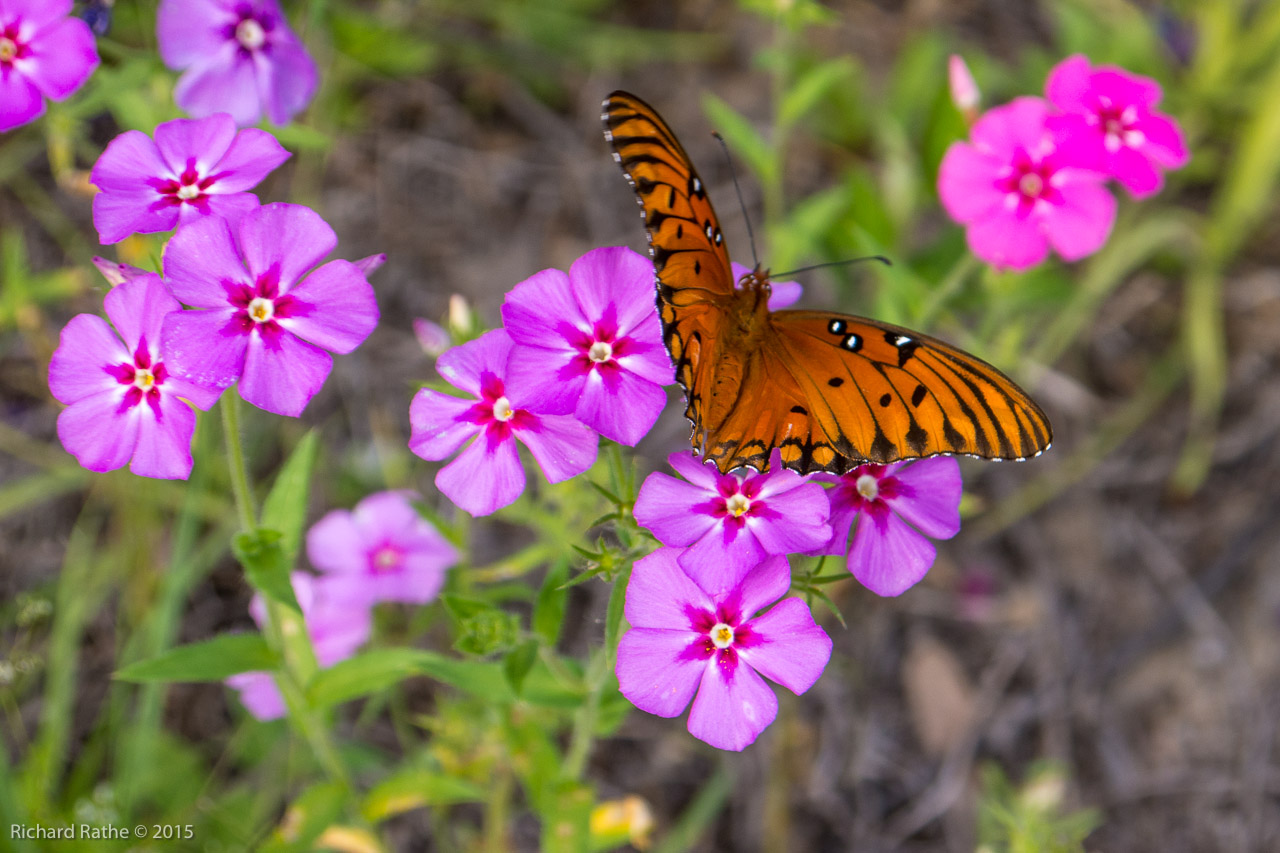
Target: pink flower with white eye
{"points": [[336, 625], [588, 343], [43, 54], [684, 640], [124, 403], [731, 522], [1109, 123], [267, 318], [193, 168], [382, 550], [1016, 193], [896, 507], [487, 474]]}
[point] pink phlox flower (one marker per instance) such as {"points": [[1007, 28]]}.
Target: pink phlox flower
{"points": [[116, 272], [728, 523], [589, 343], [782, 293], [684, 640], [268, 317], [487, 474], [124, 402], [964, 89], [239, 56], [43, 54], [336, 625], [896, 507], [193, 168], [1109, 123], [1018, 196], [382, 550]]}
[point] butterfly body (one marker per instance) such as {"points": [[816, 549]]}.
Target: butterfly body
{"points": [[829, 391]]}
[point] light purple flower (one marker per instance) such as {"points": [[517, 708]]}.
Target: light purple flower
{"points": [[684, 640], [730, 522], [194, 168], [1110, 124], [116, 272], [964, 89], [589, 343], [1018, 196], [382, 550], [123, 400], [267, 320], [336, 625], [487, 475], [43, 54], [239, 56], [897, 506], [782, 294]]}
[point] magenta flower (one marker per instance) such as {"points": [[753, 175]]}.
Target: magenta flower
{"points": [[239, 56], [487, 475], [43, 54], [1017, 194], [1110, 124], [383, 550], [684, 640], [123, 400], [730, 522], [194, 168], [897, 506], [782, 293], [336, 625], [589, 343], [267, 320]]}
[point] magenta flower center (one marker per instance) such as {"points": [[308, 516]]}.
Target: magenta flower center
{"points": [[386, 559], [143, 378], [1028, 182], [262, 306], [187, 188], [1118, 125]]}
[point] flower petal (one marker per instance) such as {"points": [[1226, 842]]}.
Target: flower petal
{"points": [[718, 561], [194, 142], [668, 508], [259, 694], [438, 424], [654, 673], [967, 183], [623, 413], [287, 81], [221, 81], [283, 375], [86, 347], [337, 545], [1164, 140], [252, 156], [563, 446], [485, 477], [661, 595], [62, 58], [541, 312], [20, 101], [36, 14], [1018, 124], [201, 260], [1006, 240], [341, 310], [288, 238], [732, 708], [187, 31], [116, 215], [702, 474], [1138, 174], [463, 366], [207, 347], [1082, 222], [137, 309], [163, 448], [887, 556], [128, 161], [614, 278], [96, 433], [933, 503], [1069, 84], [762, 586], [794, 651], [544, 381]]}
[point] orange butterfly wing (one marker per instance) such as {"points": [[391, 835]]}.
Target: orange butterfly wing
{"points": [[830, 391]]}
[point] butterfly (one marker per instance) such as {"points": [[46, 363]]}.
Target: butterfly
{"points": [[829, 391]]}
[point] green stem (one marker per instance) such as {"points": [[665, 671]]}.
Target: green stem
{"points": [[956, 276], [230, 407]]}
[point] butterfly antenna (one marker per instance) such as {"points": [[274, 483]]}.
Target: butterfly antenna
{"points": [[881, 258], [751, 237]]}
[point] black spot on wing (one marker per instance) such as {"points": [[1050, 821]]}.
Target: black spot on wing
{"points": [[835, 381], [917, 396], [885, 400], [799, 410]]}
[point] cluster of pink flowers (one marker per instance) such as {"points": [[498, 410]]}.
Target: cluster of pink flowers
{"points": [[1032, 177], [264, 308], [382, 550]]}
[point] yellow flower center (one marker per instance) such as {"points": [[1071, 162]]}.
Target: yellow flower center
{"points": [[261, 310], [188, 191], [386, 559], [502, 409], [1031, 185], [250, 34], [143, 380], [738, 504], [600, 352], [721, 635], [8, 49], [869, 487]]}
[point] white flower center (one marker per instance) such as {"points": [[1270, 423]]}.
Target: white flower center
{"points": [[186, 192], [250, 34], [261, 309], [143, 379], [868, 486], [1031, 185], [737, 504], [721, 635], [8, 49], [386, 559], [502, 409], [600, 352]]}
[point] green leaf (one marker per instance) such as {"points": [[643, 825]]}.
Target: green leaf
{"points": [[741, 137], [482, 628], [387, 49], [517, 663], [549, 607], [414, 788], [311, 813], [812, 86], [377, 670], [260, 554], [211, 660], [285, 509]]}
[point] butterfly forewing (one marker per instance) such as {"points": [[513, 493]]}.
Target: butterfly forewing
{"points": [[829, 391]]}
